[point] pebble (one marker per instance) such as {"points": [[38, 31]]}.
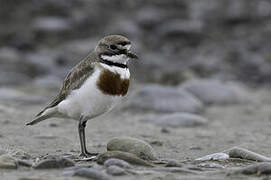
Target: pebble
{"points": [[215, 156], [257, 169], [54, 163], [117, 162], [129, 157], [132, 145], [91, 173], [7, 162], [176, 120], [115, 170], [237, 152], [216, 92], [71, 170], [164, 99], [211, 165]]}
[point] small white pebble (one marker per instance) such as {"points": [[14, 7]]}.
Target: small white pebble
{"points": [[215, 156]]}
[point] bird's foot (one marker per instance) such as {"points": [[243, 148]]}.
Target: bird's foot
{"points": [[88, 156]]}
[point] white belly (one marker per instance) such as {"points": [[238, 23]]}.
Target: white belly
{"points": [[88, 101]]}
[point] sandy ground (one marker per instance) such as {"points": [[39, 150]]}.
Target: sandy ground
{"points": [[247, 125]]}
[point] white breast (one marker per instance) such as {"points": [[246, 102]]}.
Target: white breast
{"points": [[88, 100]]}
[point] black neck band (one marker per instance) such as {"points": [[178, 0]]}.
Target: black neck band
{"points": [[110, 63]]}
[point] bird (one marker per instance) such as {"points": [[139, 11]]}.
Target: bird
{"points": [[92, 87]]}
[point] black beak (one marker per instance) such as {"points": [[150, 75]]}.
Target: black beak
{"points": [[132, 55]]}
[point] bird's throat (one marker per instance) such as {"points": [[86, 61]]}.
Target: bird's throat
{"points": [[110, 63]]}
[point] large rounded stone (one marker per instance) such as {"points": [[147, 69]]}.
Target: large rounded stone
{"points": [[89, 173], [54, 163], [216, 92], [117, 162], [115, 170], [132, 145], [164, 99]]}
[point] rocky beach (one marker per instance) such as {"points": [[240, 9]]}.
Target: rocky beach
{"points": [[198, 106]]}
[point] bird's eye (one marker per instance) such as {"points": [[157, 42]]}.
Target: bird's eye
{"points": [[113, 47]]}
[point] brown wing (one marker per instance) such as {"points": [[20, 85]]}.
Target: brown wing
{"points": [[73, 80]]}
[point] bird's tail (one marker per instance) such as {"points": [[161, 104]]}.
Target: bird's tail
{"points": [[37, 120], [44, 115]]}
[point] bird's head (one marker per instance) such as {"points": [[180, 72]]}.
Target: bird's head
{"points": [[115, 48]]}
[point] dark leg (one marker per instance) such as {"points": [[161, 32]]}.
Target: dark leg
{"points": [[81, 130]]}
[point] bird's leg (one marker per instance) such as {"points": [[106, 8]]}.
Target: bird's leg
{"points": [[81, 130]]}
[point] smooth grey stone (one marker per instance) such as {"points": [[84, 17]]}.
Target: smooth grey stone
{"points": [[211, 165], [176, 120], [132, 145], [7, 162], [263, 168], [70, 171], [91, 174], [242, 153], [215, 91], [54, 163], [117, 162], [115, 170], [164, 99], [126, 156]]}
